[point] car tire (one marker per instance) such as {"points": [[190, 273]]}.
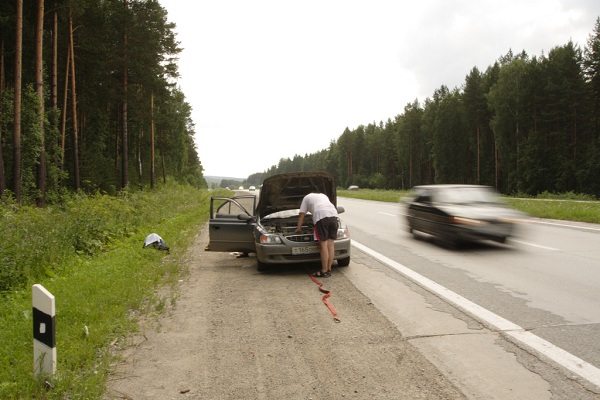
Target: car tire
{"points": [[262, 267], [343, 262], [450, 242]]}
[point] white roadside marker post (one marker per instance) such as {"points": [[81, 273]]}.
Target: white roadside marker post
{"points": [[44, 335]]}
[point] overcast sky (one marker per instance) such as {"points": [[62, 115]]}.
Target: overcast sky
{"points": [[271, 79]]}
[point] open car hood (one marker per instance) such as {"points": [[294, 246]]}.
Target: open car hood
{"points": [[286, 191]]}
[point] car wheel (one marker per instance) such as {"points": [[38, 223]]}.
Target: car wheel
{"points": [[450, 242], [262, 267], [343, 262]]}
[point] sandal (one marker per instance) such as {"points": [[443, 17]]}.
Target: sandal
{"points": [[320, 274]]}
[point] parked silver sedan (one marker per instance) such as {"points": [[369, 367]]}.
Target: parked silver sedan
{"points": [[460, 213], [238, 224]]}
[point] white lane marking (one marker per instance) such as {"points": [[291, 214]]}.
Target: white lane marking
{"points": [[564, 225], [558, 355], [534, 245], [391, 215]]}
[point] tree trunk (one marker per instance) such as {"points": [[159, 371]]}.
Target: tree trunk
{"points": [[2, 172], [152, 140], [124, 146], [164, 172], [74, 108], [139, 156], [39, 88], [116, 153], [17, 184], [63, 128], [54, 85]]}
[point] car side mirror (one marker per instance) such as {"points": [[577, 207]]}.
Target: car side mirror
{"points": [[340, 209], [244, 217]]}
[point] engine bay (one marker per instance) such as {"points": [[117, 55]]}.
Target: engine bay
{"points": [[287, 227]]}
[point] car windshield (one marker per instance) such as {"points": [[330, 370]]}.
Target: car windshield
{"points": [[466, 195]]}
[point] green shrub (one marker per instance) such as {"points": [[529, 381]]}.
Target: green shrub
{"points": [[89, 254]]}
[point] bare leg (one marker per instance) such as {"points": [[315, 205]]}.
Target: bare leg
{"points": [[324, 248], [330, 254]]}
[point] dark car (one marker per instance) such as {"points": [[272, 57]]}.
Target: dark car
{"points": [[239, 224], [460, 213]]}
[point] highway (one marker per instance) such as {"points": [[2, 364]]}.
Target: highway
{"points": [[537, 296]]}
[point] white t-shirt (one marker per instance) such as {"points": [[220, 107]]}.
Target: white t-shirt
{"points": [[318, 205]]}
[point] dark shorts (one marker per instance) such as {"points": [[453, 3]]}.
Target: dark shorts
{"points": [[326, 228]]}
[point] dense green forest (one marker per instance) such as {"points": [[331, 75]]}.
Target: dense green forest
{"points": [[525, 125], [88, 99]]}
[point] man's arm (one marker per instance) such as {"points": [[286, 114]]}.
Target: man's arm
{"points": [[300, 221]]}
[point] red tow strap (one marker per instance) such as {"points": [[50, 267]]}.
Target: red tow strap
{"points": [[325, 297]]}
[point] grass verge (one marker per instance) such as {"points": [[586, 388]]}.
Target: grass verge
{"points": [[99, 295]]}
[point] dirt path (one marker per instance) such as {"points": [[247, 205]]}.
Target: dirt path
{"points": [[234, 333]]}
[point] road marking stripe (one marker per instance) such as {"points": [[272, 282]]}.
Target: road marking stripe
{"points": [[391, 215], [590, 228], [558, 355], [534, 245]]}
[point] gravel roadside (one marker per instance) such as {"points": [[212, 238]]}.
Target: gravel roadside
{"points": [[234, 333]]}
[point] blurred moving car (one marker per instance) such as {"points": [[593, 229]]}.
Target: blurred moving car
{"points": [[352, 187], [238, 224], [460, 213], [252, 188]]}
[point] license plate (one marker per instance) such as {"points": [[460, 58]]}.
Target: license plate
{"points": [[305, 250]]}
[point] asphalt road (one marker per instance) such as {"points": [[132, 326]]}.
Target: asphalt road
{"points": [[488, 315]]}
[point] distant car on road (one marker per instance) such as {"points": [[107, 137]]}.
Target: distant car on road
{"points": [[241, 188], [252, 188], [353, 187], [460, 213]]}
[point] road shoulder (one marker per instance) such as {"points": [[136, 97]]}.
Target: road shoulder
{"points": [[236, 333]]}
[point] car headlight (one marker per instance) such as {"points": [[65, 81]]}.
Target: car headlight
{"points": [[343, 233], [270, 239]]}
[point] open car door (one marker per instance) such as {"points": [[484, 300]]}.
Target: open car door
{"points": [[231, 224]]}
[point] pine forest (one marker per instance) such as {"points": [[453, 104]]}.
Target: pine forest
{"points": [[89, 101]]}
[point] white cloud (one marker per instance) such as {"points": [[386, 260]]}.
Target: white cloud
{"points": [[271, 79]]}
